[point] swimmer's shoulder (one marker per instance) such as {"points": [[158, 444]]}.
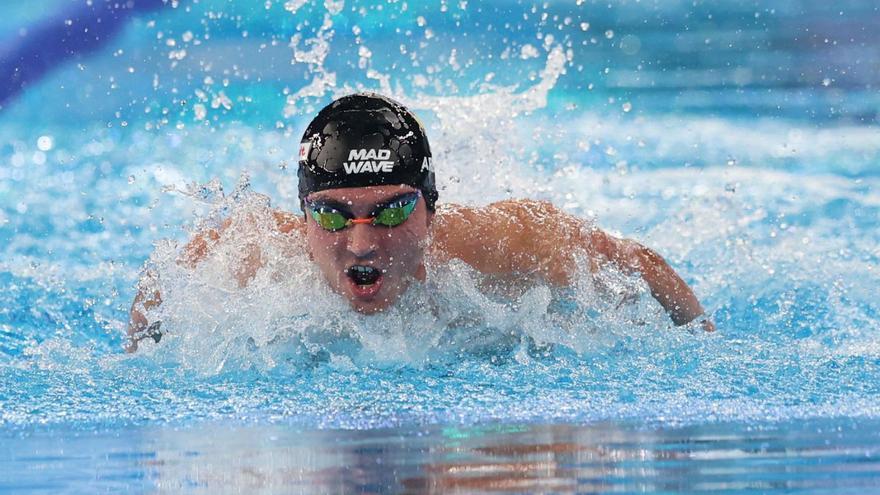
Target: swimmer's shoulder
{"points": [[288, 222], [474, 232], [513, 236], [508, 211]]}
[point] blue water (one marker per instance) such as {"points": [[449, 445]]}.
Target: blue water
{"points": [[741, 141]]}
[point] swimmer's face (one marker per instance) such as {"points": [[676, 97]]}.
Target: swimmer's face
{"points": [[371, 265]]}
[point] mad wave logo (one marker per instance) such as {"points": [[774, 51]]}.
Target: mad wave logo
{"points": [[360, 161]]}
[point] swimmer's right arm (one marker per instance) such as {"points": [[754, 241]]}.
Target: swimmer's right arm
{"points": [[195, 251], [139, 327]]}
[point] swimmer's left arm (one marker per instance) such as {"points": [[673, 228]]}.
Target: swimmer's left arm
{"points": [[527, 238], [666, 286]]}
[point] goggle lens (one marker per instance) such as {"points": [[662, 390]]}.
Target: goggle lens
{"points": [[391, 215], [394, 216], [329, 219]]}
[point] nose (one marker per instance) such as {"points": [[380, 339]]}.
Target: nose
{"points": [[362, 241]]}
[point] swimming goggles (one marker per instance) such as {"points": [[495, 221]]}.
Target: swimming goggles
{"points": [[333, 217]]}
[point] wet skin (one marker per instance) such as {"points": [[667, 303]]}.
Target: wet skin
{"points": [[519, 241], [397, 252]]}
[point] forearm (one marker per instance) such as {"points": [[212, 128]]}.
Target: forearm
{"points": [[139, 327], [667, 287]]}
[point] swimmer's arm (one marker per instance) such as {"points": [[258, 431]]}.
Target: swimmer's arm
{"points": [[527, 238], [513, 239], [139, 327], [196, 250], [666, 286]]}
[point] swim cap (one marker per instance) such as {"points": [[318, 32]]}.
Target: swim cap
{"points": [[365, 139]]}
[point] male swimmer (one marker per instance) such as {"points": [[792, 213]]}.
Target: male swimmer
{"points": [[366, 186]]}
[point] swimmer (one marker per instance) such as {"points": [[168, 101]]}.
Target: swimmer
{"points": [[371, 219]]}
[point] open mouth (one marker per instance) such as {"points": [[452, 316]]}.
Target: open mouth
{"points": [[363, 274], [364, 281]]}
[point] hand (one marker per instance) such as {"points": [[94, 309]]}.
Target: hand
{"points": [[707, 325]]}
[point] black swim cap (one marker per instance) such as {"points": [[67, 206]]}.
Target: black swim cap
{"points": [[365, 139]]}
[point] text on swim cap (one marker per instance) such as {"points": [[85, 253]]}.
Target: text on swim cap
{"points": [[364, 160]]}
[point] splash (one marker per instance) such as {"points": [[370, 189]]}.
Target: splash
{"points": [[285, 315], [318, 47]]}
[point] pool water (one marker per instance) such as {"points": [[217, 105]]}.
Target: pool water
{"points": [[816, 455], [740, 142]]}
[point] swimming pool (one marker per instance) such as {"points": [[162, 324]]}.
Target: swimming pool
{"points": [[740, 142]]}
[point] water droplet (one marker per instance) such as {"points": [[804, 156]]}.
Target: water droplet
{"points": [[39, 158], [627, 106], [45, 143], [609, 34], [528, 51], [200, 111]]}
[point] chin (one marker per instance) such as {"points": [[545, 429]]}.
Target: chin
{"points": [[369, 308]]}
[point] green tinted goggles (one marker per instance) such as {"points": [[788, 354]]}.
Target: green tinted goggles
{"points": [[332, 216]]}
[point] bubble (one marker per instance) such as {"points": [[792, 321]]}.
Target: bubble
{"points": [[609, 34], [627, 106], [585, 26], [45, 143]]}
